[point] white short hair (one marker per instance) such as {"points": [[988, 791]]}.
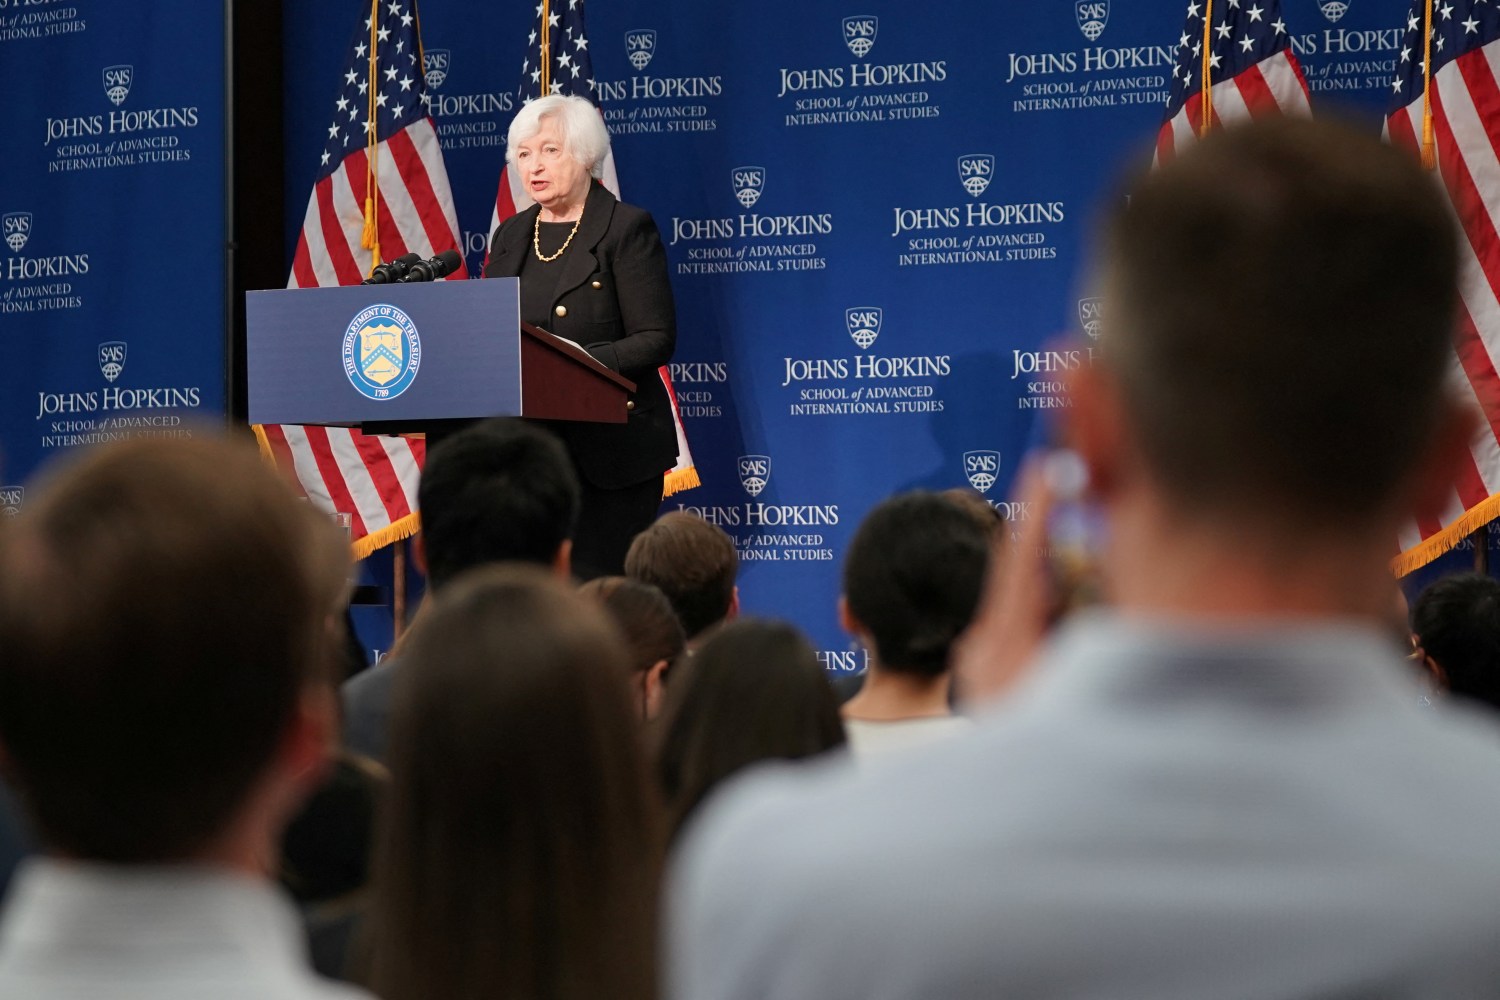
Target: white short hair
{"points": [[582, 126]]}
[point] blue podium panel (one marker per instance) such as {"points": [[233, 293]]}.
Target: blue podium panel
{"points": [[380, 353]]}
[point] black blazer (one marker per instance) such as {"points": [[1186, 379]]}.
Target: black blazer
{"points": [[614, 298]]}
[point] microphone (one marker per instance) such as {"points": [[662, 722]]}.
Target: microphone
{"points": [[440, 266], [393, 270]]}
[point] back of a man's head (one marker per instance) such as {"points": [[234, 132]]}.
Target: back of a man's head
{"points": [[1282, 300], [1457, 624], [912, 579], [162, 613], [498, 491], [692, 562]]}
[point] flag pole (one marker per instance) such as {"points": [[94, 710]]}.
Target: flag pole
{"points": [[1429, 147], [370, 238], [546, 48], [1207, 82]]}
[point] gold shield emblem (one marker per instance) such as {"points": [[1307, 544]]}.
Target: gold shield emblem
{"points": [[382, 353]]}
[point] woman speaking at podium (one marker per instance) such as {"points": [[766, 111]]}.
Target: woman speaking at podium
{"points": [[593, 270]]}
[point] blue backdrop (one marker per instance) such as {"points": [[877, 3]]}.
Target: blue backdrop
{"points": [[112, 209], [875, 213]]}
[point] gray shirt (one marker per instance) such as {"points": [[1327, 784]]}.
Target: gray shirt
{"points": [[1163, 811], [80, 931]]}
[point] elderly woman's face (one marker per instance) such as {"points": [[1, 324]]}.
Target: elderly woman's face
{"points": [[553, 178]]}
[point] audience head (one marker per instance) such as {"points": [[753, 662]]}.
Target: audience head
{"points": [[1457, 626], [912, 580], [987, 516], [497, 491], [1267, 290], [326, 849], [520, 853], [754, 691], [693, 563], [653, 636], [166, 684]]}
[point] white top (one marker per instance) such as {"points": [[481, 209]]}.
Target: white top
{"points": [[1163, 810], [82, 931], [868, 737]]}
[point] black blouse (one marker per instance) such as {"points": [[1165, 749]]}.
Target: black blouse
{"points": [[539, 278]]}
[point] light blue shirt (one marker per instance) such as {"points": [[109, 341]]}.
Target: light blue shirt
{"points": [[1163, 811], [79, 931]]}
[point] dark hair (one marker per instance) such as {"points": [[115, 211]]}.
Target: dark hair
{"points": [[521, 851], [1457, 623], [501, 490], [989, 518], [163, 606], [326, 848], [754, 691], [912, 578], [692, 562], [644, 617], [1268, 289]]}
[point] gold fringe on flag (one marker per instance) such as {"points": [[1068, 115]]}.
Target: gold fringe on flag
{"points": [[680, 479], [1429, 147], [404, 528], [370, 238], [1208, 83], [1447, 540], [263, 442], [375, 540]]}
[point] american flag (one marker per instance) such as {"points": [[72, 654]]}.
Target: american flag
{"points": [[558, 62], [1465, 116], [379, 130], [1249, 61]]}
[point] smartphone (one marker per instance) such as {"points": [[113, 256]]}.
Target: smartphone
{"points": [[1076, 535]]}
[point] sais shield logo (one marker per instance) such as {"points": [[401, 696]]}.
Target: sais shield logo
{"points": [[11, 498], [1089, 311], [755, 473], [748, 183], [112, 359], [859, 33], [863, 323], [982, 468], [435, 63], [117, 81], [17, 229], [1334, 9], [1093, 15], [640, 46], [976, 170]]}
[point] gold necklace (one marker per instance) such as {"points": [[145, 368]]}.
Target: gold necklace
{"points": [[536, 239]]}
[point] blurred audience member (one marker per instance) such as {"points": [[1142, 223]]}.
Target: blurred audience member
{"points": [[1456, 624], [694, 564], [325, 858], [1224, 785], [653, 635], [912, 578], [985, 514], [166, 703], [754, 691], [15, 841], [497, 491], [521, 852]]}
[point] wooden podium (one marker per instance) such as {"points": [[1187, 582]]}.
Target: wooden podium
{"points": [[399, 358]]}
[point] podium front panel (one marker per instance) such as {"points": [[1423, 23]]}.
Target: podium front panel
{"points": [[384, 353]]}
